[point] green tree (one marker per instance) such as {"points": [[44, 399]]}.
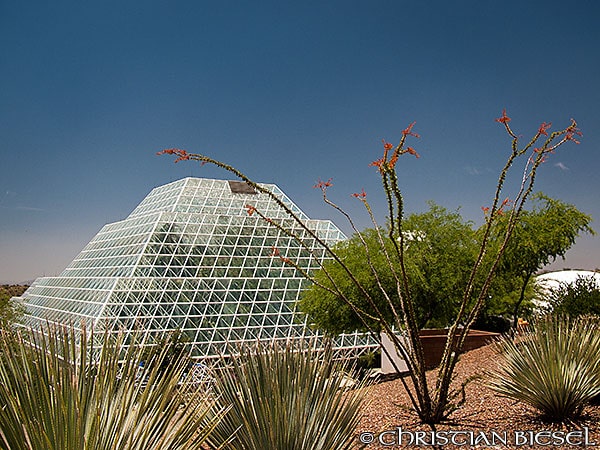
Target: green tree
{"points": [[327, 309], [440, 250], [543, 234]]}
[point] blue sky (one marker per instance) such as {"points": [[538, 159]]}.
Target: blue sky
{"points": [[289, 92]]}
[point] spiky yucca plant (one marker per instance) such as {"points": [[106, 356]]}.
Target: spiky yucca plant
{"points": [[554, 368], [57, 393], [286, 398]]}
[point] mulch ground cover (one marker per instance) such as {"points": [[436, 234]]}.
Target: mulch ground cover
{"points": [[484, 421]]}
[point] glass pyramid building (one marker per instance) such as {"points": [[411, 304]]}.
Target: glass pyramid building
{"points": [[191, 258]]}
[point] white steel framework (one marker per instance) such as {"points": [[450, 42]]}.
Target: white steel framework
{"points": [[191, 258]]}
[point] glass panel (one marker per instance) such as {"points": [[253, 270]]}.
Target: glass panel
{"points": [[190, 257]]}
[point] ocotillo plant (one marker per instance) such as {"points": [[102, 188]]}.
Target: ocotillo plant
{"points": [[432, 402]]}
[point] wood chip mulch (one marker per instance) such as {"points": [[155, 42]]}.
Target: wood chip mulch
{"points": [[516, 425]]}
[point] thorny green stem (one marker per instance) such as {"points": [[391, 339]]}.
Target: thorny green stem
{"points": [[431, 410], [454, 345]]}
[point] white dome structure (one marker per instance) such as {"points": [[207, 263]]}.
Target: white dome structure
{"points": [[555, 279], [552, 280]]}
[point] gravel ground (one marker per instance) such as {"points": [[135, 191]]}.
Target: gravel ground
{"points": [[483, 413]]}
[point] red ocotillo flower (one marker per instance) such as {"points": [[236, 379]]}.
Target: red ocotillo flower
{"points": [[504, 119]]}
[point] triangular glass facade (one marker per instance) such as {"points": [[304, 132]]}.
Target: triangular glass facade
{"points": [[191, 258]]}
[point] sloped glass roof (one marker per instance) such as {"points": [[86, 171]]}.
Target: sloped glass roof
{"points": [[190, 258]]}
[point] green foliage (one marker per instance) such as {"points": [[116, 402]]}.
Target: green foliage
{"points": [[439, 255], [9, 310], [541, 235], [508, 293], [441, 249], [554, 368], [369, 360], [582, 297], [286, 398], [57, 393], [329, 311]]}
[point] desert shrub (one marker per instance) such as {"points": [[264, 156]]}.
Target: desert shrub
{"points": [[369, 360], [286, 398], [554, 368], [581, 297], [10, 311], [59, 391]]}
